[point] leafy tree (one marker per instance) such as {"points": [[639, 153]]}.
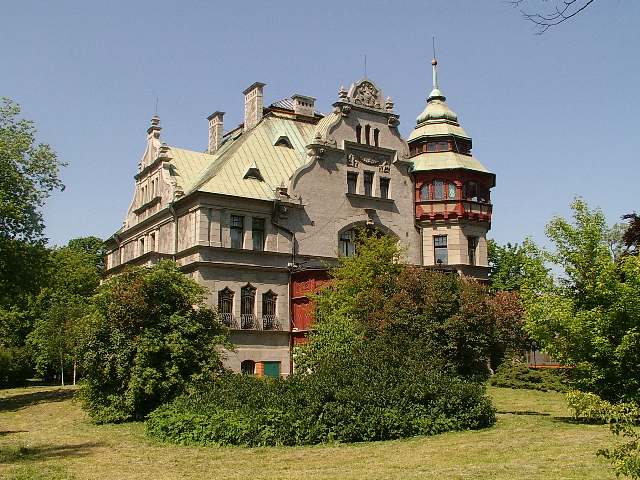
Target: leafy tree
{"points": [[514, 266], [631, 235], [591, 317], [73, 274], [453, 321], [150, 336], [29, 174]]}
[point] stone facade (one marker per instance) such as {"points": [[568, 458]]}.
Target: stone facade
{"points": [[272, 203]]}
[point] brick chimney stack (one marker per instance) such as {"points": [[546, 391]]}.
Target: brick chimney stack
{"points": [[253, 105], [215, 131], [303, 105]]}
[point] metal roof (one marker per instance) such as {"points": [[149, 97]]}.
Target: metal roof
{"points": [[446, 161], [224, 171]]}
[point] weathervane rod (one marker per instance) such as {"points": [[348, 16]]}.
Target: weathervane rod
{"points": [[156, 112], [365, 65]]}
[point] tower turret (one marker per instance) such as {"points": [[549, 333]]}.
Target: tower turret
{"points": [[452, 189]]}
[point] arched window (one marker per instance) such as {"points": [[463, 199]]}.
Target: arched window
{"points": [[248, 367], [269, 301], [438, 189], [225, 305], [247, 306], [367, 134], [424, 192], [376, 137], [359, 134]]}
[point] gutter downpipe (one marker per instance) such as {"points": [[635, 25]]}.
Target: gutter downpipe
{"points": [[174, 213], [290, 269]]}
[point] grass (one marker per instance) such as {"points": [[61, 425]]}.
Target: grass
{"points": [[45, 435]]}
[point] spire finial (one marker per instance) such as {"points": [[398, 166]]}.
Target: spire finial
{"points": [[434, 64], [365, 65]]}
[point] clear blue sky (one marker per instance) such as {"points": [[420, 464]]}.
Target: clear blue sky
{"points": [[553, 116]]}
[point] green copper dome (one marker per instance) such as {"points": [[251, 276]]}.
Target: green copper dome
{"points": [[437, 109]]}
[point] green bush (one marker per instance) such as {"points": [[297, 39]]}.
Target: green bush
{"points": [[150, 338], [519, 375], [15, 367], [365, 397], [623, 420]]}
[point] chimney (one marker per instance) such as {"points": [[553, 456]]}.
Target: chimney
{"points": [[215, 131], [253, 105], [303, 105]]}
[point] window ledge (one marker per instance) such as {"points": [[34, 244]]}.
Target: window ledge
{"points": [[370, 197]]}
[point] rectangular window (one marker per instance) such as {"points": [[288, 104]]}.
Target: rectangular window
{"points": [[368, 183], [440, 254], [438, 189], [152, 242], [257, 233], [384, 188], [346, 243], [473, 245], [352, 182], [141, 243], [237, 231]]}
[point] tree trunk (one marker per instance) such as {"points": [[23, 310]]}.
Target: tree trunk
{"points": [[62, 369], [75, 365]]}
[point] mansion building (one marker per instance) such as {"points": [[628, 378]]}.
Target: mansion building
{"points": [[261, 214]]}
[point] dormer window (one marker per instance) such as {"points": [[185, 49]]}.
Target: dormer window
{"points": [[367, 134], [283, 141]]}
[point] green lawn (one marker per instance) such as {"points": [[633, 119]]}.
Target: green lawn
{"points": [[45, 435]]}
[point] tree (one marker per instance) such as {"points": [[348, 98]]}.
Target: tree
{"points": [[29, 174], [148, 339], [73, 274], [561, 11], [512, 267], [631, 235], [441, 318], [591, 317]]}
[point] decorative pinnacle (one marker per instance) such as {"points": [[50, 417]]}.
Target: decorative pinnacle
{"points": [[342, 93]]}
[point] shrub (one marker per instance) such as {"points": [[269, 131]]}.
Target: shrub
{"points": [[363, 397], [15, 367], [151, 336], [623, 420], [512, 374]]}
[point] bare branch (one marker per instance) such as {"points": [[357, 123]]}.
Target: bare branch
{"points": [[562, 11]]}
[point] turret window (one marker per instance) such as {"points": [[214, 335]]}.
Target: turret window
{"points": [[440, 252], [424, 191], [438, 189], [472, 247], [452, 191]]}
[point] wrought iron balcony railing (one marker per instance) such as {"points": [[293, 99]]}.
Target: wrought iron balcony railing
{"points": [[248, 321]]}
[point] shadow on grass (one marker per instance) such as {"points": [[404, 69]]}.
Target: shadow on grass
{"points": [[524, 412], [16, 402], [43, 452], [9, 432], [579, 421]]}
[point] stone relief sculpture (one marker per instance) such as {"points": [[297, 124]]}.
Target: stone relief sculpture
{"points": [[366, 95]]}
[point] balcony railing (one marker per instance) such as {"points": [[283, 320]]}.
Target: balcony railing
{"points": [[248, 321]]}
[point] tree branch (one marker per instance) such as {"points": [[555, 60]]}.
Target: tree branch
{"points": [[563, 11]]}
